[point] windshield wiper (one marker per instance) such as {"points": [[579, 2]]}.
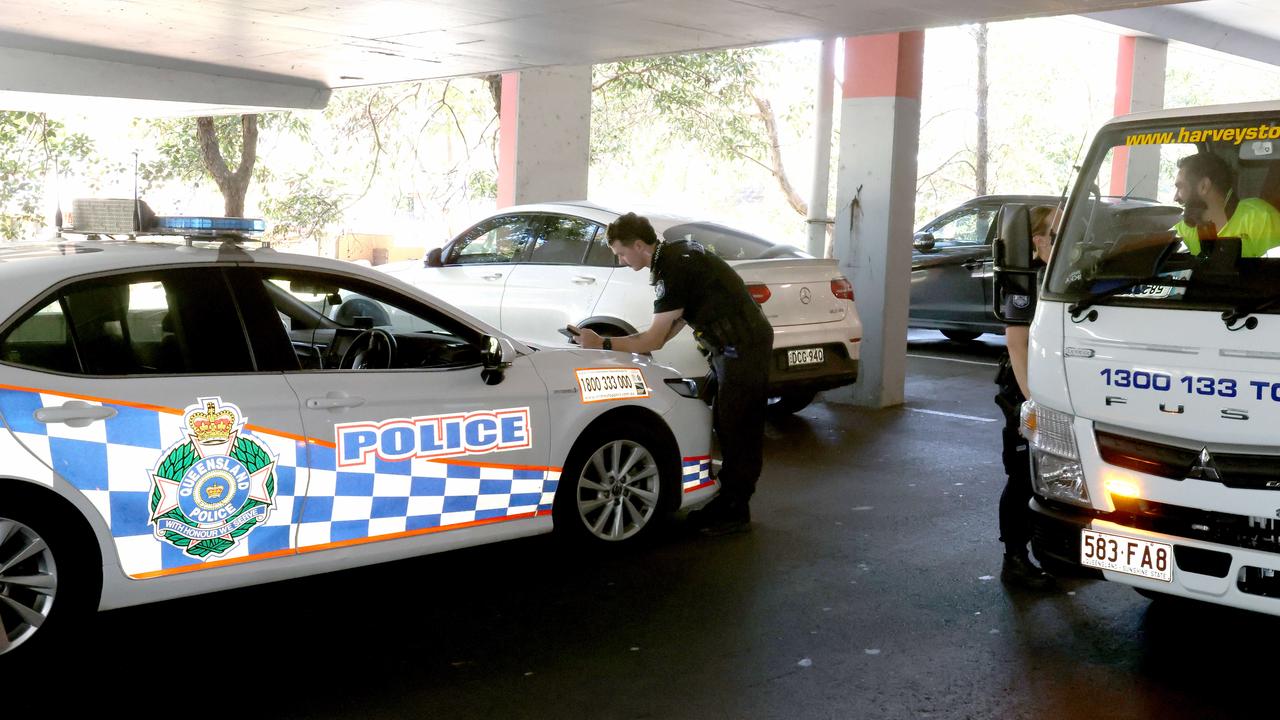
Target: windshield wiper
{"points": [[1233, 316], [1092, 299]]}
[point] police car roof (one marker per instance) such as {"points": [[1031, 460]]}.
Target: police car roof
{"points": [[28, 270]]}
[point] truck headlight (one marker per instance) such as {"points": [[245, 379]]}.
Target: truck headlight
{"points": [[1055, 460]]}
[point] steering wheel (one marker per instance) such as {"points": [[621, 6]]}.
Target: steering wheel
{"points": [[374, 348]]}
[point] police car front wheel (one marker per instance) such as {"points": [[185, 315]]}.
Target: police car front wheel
{"points": [[612, 489]]}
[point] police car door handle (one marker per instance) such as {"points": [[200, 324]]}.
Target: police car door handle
{"points": [[971, 265], [75, 413], [584, 280], [494, 276], [334, 401]]}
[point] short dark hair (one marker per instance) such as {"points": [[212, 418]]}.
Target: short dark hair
{"points": [[631, 227], [1208, 165]]}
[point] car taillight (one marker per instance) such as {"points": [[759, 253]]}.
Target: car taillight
{"points": [[759, 293], [842, 289]]}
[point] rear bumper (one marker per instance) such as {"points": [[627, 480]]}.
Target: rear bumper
{"points": [[840, 343], [836, 370]]}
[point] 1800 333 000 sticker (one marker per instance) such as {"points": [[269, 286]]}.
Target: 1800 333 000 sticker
{"points": [[604, 384]]}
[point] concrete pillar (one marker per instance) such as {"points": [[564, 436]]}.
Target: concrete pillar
{"points": [[818, 219], [1140, 65], [875, 200], [544, 137]]}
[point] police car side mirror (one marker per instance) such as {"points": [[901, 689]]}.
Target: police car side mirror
{"points": [[435, 258], [496, 355], [1012, 262], [923, 242]]}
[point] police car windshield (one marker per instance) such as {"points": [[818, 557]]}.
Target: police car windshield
{"points": [[1180, 214]]}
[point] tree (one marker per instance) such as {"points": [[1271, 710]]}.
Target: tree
{"points": [[980, 152], [31, 147], [710, 99], [195, 150], [234, 184]]}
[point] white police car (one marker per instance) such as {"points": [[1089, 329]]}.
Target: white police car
{"points": [[181, 418]]}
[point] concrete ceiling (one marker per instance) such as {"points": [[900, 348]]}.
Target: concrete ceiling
{"points": [[290, 53]]}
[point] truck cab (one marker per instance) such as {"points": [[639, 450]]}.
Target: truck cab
{"points": [[1154, 359]]}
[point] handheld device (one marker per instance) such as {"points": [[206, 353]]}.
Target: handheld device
{"points": [[570, 332]]}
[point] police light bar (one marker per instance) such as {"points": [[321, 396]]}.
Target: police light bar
{"points": [[117, 216], [195, 225]]}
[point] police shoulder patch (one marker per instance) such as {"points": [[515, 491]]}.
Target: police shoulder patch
{"points": [[660, 289]]}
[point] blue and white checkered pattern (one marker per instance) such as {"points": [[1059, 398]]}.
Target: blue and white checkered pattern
{"points": [[697, 473], [111, 462], [389, 498]]}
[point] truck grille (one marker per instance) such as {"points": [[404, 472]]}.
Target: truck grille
{"points": [[1254, 533], [1234, 470]]}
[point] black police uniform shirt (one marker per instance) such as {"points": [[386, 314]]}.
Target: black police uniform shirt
{"points": [[714, 299], [1020, 309]]}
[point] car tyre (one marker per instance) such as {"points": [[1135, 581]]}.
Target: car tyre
{"points": [[48, 585], [613, 490], [961, 335], [790, 402]]}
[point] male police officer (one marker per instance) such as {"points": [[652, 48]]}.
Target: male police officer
{"points": [[696, 287]]}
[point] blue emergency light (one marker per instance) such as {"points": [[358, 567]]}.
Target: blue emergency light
{"points": [[200, 225]]}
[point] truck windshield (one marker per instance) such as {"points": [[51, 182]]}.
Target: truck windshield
{"points": [[1179, 214]]}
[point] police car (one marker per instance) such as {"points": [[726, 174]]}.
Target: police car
{"points": [[181, 417]]}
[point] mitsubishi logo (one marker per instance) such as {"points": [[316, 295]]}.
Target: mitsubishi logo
{"points": [[805, 295], [1204, 469]]}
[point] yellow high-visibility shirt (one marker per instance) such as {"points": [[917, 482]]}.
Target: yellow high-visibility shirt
{"points": [[1255, 222]]}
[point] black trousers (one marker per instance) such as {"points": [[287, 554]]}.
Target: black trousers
{"points": [[742, 377], [1015, 515]]}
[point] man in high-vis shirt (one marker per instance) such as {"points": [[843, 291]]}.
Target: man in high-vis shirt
{"points": [[1204, 189]]}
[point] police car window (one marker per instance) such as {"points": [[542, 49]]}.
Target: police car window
{"points": [[728, 243], [563, 240], [325, 316], [499, 241], [41, 341], [175, 322]]}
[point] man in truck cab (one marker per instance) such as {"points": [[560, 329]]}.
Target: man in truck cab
{"points": [[1205, 189]]}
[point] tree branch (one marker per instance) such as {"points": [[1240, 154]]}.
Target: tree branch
{"points": [[775, 157]]}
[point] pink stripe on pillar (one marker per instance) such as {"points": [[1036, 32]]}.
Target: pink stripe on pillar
{"points": [[890, 65], [507, 139], [1123, 106]]}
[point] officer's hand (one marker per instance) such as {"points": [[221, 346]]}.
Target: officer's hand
{"points": [[590, 340]]}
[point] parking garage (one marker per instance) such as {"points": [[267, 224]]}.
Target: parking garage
{"points": [[869, 586]]}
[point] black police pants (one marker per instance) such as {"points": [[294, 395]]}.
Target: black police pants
{"points": [[739, 412], [1015, 515]]}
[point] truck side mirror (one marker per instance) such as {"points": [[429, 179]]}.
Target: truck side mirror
{"points": [[923, 242], [435, 258], [1013, 265]]}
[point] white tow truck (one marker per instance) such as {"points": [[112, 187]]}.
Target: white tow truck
{"points": [[1154, 362]]}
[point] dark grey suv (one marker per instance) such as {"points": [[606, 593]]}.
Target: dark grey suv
{"points": [[951, 268]]}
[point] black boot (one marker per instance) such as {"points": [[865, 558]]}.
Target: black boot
{"points": [[722, 516], [1020, 571]]}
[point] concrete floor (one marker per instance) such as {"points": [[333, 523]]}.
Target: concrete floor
{"points": [[868, 589]]}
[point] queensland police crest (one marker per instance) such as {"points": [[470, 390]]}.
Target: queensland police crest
{"points": [[210, 489]]}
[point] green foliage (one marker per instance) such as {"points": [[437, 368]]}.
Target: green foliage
{"points": [[303, 206], [705, 98], [178, 149], [32, 147]]}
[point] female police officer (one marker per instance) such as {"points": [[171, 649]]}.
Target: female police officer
{"points": [[1015, 525], [696, 287]]}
